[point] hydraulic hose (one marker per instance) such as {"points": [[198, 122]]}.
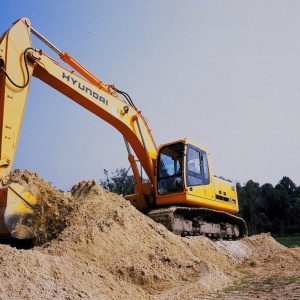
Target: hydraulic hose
{"points": [[127, 97], [27, 71]]}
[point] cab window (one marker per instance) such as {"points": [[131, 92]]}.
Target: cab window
{"points": [[170, 177], [197, 167]]}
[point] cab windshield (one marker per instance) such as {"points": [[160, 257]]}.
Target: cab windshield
{"points": [[170, 169]]}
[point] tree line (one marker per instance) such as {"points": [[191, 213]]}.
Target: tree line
{"points": [[265, 208], [269, 208]]}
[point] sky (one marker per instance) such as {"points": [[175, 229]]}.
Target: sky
{"points": [[225, 74]]}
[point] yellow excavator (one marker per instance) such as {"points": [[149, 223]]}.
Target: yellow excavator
{"points": [[182, 193]]}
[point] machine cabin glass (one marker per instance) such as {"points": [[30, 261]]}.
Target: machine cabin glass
{"points": [[170, 169], [170, 177], [197, 172]]}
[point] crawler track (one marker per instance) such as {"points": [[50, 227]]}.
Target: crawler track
{"points": [[189, 221]]}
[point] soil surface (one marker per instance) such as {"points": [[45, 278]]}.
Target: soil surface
{"points": [[93, 244]]}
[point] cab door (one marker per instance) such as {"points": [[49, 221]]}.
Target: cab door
{"points": [[197, 174]]}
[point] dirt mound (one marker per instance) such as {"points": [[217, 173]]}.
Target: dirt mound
{"points": [[108, 250]]}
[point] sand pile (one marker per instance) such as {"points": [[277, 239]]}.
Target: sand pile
{"points": [[106, 249]]}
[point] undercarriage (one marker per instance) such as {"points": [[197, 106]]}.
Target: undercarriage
{"points": [[189, 221]]}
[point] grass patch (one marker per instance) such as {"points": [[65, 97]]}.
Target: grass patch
{"points": [[262, 285], [238, 285], [288, 241]]}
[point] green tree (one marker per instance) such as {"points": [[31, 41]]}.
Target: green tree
{"points": [[287, 184], [270, 209], [294, 216], [269, 196], [119, 182], [249, 198]]}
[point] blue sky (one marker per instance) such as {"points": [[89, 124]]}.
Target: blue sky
{"points": [[222, 73]]}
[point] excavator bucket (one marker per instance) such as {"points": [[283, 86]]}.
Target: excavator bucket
{"points": [[17, 212]]}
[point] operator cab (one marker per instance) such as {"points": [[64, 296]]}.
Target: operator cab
{"points": [[181, 166]]}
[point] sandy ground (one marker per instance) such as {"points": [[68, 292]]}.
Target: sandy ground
{"points": [[97, 246]]}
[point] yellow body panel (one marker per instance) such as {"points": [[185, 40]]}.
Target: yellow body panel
{"points": [[197, 198]]}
